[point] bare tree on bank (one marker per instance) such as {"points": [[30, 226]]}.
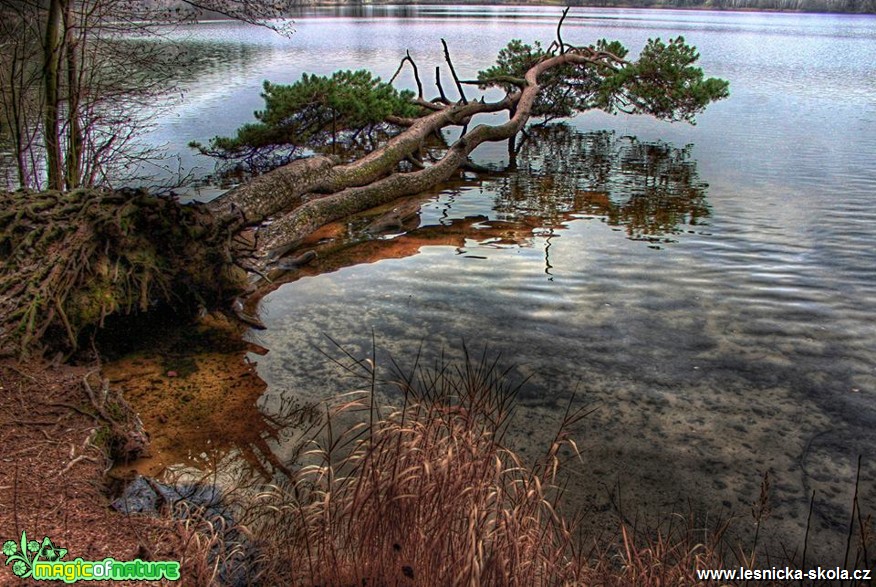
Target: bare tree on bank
{"points": [[80, 84]]}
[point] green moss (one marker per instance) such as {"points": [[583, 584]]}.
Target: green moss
{"points": [[183, 366], [99, 297], [103, 438]]}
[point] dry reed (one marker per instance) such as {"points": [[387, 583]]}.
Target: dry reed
{"points": [[426, 493]]}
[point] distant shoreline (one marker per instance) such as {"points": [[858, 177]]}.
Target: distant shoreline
{"points": [[864, 7]]}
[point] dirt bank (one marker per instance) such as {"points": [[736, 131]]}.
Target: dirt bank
{"points": [[52, 471]]}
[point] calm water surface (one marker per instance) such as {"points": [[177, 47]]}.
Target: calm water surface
{"points": [[712, 287]]}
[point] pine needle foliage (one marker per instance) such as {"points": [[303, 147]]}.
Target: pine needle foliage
{"points": [[663, 82], [316, 112]]}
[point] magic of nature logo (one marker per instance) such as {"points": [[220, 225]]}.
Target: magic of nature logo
{"points": [[44, 561]]}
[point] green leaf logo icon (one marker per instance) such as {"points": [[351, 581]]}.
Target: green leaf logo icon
{"points": [[50, 552]]}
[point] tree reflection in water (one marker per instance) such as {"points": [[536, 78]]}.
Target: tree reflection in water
{"points": [[652, 190]]}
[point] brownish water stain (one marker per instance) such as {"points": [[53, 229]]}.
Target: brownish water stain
{"points": [[346, 243], [196, 394]]}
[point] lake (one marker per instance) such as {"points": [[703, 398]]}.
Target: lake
{"points": [[712, 288]]}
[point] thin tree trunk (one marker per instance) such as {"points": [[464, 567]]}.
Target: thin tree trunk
{"points": [[74, 89], [15, 117], [52, 57]]}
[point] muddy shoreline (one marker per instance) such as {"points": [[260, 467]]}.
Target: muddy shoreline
{"points": [[52, 472]]}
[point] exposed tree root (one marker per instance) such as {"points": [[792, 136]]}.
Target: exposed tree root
{"points": [[71, 260], [125, 437]]}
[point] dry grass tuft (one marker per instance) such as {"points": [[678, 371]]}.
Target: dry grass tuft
{"points": [[665, 558], [426, 493]]}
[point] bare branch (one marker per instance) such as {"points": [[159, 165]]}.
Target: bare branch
{"points": [[453, 72], [401, 64], [559, 27], [416, 74], [438, 83]]}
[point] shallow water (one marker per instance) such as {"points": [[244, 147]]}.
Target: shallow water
{"points": [[717, 304], [702, 384]]}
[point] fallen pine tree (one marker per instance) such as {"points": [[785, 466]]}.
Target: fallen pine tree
{"points": [[555, 82], [71, 260]]}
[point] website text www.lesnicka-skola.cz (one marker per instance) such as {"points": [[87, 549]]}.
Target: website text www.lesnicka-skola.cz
{"points": [[785, 574]]}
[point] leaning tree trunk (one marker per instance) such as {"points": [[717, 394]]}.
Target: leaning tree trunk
{"points": [[123, 253], [286, 187], [307, 194]]}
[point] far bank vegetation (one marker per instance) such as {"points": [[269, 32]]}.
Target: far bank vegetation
{"points": [[847, 6]]}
